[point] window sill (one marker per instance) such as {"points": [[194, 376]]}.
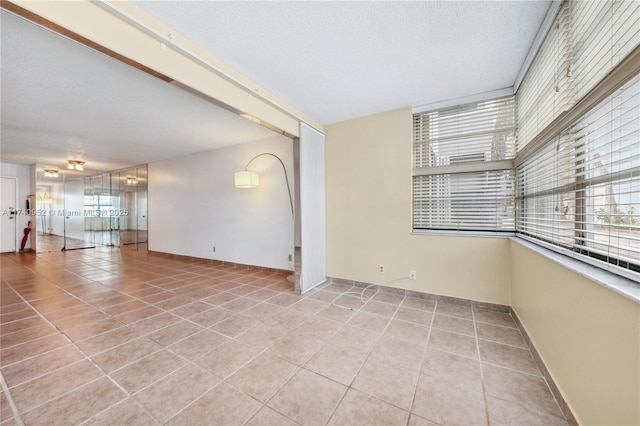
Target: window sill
{"points": [[481, 234], [621, 285]]}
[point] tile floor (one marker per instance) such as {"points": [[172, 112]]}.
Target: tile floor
{"points": [[104, 336]]}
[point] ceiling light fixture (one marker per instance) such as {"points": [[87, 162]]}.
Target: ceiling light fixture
{"points": [[132, 180], [76, 165], [53, 173]]}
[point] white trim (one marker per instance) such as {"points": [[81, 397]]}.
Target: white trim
{"points": [[464, 168], [478, 97], [586, 267], [169, 41], [451, 233], [554, 7]]}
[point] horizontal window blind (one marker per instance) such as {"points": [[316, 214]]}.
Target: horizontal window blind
{"points": [[482, 131], [586, 41], [481, 201], [602, 33], [470, 136], [581, 191], [543, 94]]}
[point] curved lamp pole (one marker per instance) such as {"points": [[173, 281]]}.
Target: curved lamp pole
{"points": [[250, 179]]}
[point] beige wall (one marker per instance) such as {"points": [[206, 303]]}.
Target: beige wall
{"points": [[369, 218], [587, 335]]}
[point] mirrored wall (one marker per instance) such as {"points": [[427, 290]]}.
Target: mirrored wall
{"points": [[129, 191], [76, 212], [59, 218]]}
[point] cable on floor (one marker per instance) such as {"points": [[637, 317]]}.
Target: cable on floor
{"points": [[363, 298]]}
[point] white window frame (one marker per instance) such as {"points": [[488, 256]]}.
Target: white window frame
{"points": [[467, 165]]}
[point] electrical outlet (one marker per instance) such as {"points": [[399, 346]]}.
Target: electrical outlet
{"points": [[381, 268], [214, 249], [290, 258], [412, 275]]}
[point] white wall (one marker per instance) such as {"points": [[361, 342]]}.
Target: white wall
{"points": [[23, 173], [194, 205]]}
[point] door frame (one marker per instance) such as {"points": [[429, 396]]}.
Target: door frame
{"points": [[15, 203]]}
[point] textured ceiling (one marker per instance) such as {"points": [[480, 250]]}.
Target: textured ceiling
{"points": [[340, 60], [331, 60], [62, 100]]}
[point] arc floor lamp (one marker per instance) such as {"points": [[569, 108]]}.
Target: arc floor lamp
{"points": [[250, 179]]}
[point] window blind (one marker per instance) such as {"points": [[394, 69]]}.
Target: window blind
{"points": [[480, 201], [602, 33], [586, 41], [462, 167], [581, 191], [542, 96]]}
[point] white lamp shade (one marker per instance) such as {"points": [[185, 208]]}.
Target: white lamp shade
{"points": [[246, 179]]}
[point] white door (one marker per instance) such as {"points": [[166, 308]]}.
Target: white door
{"points": [[313, 222], [8, 215]]}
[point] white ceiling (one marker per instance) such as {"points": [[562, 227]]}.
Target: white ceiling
{"points": [[331, 60], [62, 100], [340, 60]]}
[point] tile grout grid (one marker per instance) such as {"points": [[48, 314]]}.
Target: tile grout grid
{"points": [[144, 322]]}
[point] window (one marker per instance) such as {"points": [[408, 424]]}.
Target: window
{"points": [[581, 190], [574, 167], [601, 34], [586, 41], [578, 180], [463, 175], [543, 94]]}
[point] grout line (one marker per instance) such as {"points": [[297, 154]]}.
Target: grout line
{"points": [[115, 405], [484, 390], [349, 387], [75, 345], [505, 344], [178, 272], [41, 403], [325, 344], [424, 354], [12, 403], [546, 374], [223, 380]]}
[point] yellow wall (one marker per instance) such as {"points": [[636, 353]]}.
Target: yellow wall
{"points": [[587, 335], [369, 218]]}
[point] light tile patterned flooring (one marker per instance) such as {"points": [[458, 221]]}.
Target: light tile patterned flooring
{"points": [[104, 336]]}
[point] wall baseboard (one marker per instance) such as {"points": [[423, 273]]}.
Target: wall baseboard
{"points": [[564, 407], [217, 262], [562, 403], [423, 295]]}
